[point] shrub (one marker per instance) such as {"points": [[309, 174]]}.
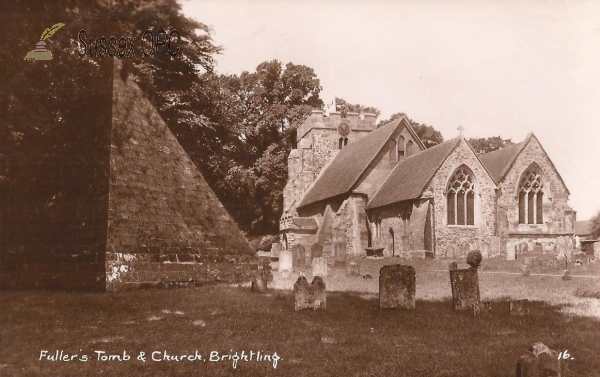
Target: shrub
{"points": [[474, 258]]}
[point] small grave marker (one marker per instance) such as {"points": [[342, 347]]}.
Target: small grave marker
{"points": [[310, 295]]}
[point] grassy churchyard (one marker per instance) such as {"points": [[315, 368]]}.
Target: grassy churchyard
{"points": [[352, 337]]}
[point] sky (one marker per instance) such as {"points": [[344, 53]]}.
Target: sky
{"points": [[496, 68]]}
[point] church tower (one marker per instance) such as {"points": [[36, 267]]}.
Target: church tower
{"points": [[318, 139]]}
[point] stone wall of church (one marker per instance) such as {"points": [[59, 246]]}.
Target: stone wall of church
{"points": [[559, 218], [350, 224], [485, 201]]}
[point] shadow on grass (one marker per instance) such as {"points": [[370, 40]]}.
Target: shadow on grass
{"points": [[352, 337]]}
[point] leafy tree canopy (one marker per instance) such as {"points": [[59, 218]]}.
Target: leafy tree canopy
{"points": [[344, 108], [489, 144], [428, 135], [595, 227]]}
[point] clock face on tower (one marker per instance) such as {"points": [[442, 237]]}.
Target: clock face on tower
{"points": [[344, 129]]}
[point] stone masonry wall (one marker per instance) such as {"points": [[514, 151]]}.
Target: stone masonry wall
{"points": [[559, 218], [485, 202]]}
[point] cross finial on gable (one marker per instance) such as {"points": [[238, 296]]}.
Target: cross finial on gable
{"points": [[460, 129]]}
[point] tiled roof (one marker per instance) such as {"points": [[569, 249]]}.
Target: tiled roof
{"points": [[348, 165], [583, 228], [498, 162], [411, 175], [305, 223]]}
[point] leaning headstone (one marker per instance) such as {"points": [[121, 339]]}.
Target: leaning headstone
{"points": [[316, 251], [566, 275], [353, 269], [285, 260], [310, 295], [539, 361], [397, 285], [465, 288], [299, 256], [319, 267], [452, 266], [482, 310], [518, 307]]}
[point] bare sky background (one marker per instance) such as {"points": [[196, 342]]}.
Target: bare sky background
{"points": [[496, 67]]}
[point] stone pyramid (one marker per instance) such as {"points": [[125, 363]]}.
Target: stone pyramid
{"points": [[131, 208]]}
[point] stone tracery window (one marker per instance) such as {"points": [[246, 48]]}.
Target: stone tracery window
{"points": [[460, 197], [531, 197]]}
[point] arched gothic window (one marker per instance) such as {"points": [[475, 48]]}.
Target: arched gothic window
{"points": [[401, 141], [460, 197], [410, 148], [342, 142], [531, 197], [392, 151]]}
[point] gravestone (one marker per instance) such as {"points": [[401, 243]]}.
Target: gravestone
{"points": [[285, 260], [397, 285], [518, 307], [450, 253], [353, 269], [539, 361], [485, 249], [465, 288], [299, 256], [275, 248], [465, 247], [597, 250], [316, 251], [319, 267], [482, 310], [525, 270], [340, 252], [309, 295], [566, 275], [495, 246], [523, 248], [259, 284], [452, 266]]}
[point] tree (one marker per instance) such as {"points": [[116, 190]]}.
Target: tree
{"points": [[344, 108], [428, 135], [595, 226], [53, 124], [489, 144]]}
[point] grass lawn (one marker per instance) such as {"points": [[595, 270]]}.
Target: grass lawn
{"points": [[351, 338]]}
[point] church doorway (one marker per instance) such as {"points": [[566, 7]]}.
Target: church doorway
{"points": [[428, 231], [285, 242], [391, 242]]}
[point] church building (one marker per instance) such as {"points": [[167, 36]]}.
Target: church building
{"points": [[366, 187]]}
